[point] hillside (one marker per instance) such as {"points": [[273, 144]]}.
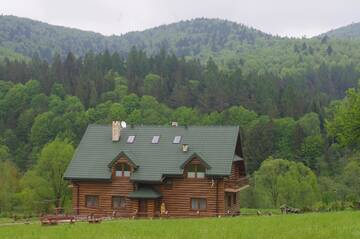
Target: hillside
{"points": [[229, 43], [284, 93], [198, 37], [28, 37], [11, 55], [349, 31], [270, 75]]}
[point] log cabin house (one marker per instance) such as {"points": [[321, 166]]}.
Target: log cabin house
{"points": [[171, 171]]}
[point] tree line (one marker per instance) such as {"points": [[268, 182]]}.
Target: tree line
{"points": [[278, 91]]}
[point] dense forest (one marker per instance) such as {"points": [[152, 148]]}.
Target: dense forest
{"points": [[42, 103], [295, 101], [349, 31], [94, 78], [228, 43], [186, 38]]}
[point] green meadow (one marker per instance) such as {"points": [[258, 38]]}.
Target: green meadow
{"points": [[307, 226]]}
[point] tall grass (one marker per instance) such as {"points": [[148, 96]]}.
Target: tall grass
{"points": [[308, 226]]}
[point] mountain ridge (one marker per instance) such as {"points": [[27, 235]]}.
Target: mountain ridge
{"points": [[184, 38], [351, 30]]}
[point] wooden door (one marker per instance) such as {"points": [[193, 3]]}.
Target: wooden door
{"points": [[142, 207]]}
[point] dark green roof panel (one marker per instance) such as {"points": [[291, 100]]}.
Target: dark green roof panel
{"points": [[215, 144], [145, 192]]}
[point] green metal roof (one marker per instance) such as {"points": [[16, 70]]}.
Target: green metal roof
{"points": [[145, 192], [215, 144]]}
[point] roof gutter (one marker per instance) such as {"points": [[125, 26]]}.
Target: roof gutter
{"points": [[147, 181], [87, 179]]}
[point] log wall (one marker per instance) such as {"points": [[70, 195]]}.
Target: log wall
{"points": [[177, 197], [119, 186], [177, 194]]}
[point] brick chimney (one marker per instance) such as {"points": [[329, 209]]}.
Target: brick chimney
{"points": [[116, 129]]}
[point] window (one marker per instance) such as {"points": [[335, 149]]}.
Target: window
{"points": [[92, 201], [198, 204], [131, 139], [118, 202], [155, 139], [234, 198], [242, 171], [122, 170], [196, 171], [177, 140]]}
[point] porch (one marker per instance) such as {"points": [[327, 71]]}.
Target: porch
{"points": [[145, 202]]}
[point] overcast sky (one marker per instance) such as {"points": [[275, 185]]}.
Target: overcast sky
{"points": [[282, 17]]}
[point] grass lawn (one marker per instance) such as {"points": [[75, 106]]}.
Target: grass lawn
{"points": [[253, 211], [11, 220], [307, 226]]}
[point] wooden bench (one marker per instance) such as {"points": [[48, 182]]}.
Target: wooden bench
{"points": [[56, 219]]}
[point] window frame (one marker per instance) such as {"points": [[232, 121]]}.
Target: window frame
{"points": [[131, 139], [120, 197], [196, 171], [97, 201], [155, 139], [123, 173], [177, 141], [198, 203]]}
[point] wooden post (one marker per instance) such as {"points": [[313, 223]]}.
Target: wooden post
{"points": [[150, 208], [135, 206]]}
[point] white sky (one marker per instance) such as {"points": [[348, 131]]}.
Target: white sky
{"points": [[283, 17]]}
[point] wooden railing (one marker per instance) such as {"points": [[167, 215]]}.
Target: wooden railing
{"points": [[243, 181], [156, 214], [175, 215], [237, 183]]}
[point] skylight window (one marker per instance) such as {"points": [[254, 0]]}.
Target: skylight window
{"points": [[155, 139], [177, 140], [131, 139]]}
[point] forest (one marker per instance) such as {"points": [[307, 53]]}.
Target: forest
{"points": [[303, 139], [296, 101]]}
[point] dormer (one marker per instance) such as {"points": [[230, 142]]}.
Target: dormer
{"points": [[122, 165], [195, 166]]}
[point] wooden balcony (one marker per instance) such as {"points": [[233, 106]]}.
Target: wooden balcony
{"points": [[236, 185]]}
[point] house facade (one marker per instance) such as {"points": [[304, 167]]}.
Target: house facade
{"points": [[155, 171]]}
